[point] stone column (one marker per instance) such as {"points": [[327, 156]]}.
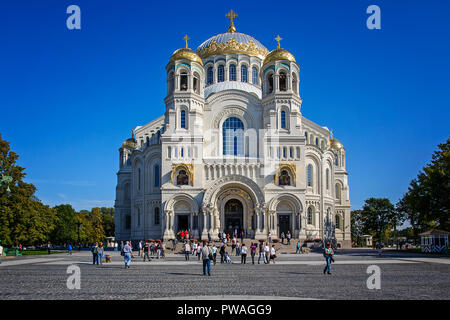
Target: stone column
{"points": [[168, 225], [204, 234], [216, 225]]}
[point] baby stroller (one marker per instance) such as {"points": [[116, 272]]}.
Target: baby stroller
{"points": [[227, 258]]}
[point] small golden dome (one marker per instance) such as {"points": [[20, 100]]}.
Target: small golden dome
{"points": [[336, 144], [186, 53], [279, 54], [130, 143]]}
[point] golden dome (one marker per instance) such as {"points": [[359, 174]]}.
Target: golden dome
{"points": [[279, 54], [336, 144], [186, 53]]}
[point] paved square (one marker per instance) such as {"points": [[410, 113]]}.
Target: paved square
{"points": [[293, 276]]}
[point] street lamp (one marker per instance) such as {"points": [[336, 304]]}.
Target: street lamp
{"points": [[6, 179], [79, 224]]}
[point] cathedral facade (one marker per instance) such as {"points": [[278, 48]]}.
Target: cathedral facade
{"points": [[232, 151]]}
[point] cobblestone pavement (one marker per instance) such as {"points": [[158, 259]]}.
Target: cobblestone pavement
{"points": [[293, 276]]}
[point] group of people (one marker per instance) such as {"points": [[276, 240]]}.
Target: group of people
{"points": [[286, 236], [97, 253], [152, 249]]}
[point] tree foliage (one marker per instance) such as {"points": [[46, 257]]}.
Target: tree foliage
{"points": [[23, 218], [426, 203]]}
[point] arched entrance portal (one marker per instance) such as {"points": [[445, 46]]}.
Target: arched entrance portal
{"points": [[234, 216]]}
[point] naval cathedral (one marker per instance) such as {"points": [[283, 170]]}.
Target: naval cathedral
{"points": [[232, 151]]}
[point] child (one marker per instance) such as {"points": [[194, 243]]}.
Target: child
{"points": [[227, 257]]}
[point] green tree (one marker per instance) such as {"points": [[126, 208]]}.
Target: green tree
{"points": [[23, 218], [426, 203], [378, 215], [66, 225], [357, 226], [108, 224], [95, 218]]}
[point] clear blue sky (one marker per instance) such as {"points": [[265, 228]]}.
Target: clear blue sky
{"points": [[68, 98]]}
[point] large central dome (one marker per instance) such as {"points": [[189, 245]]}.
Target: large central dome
{"points": [[232, 42]]}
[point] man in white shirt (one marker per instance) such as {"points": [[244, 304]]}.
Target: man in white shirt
{"points": [[244, 251], [267, 253]]}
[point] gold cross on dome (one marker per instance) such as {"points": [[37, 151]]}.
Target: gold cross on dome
{"points": [[278, 39], [231, 15], [186, 38]]}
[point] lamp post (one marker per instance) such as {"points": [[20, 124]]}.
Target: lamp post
{"points": [[6, 179], [79, 224]]}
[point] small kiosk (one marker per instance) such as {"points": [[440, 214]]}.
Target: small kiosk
{"points": [[434, 240]]}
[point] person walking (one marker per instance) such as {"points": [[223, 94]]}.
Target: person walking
{"points": [[269, 237], [187, 251], [214, 252], [199, 251], [297, 248], [222, 252], [261, 252], [244, 251], [238, 248], [242, 236], [253, 252], [100, 253], [69, 249], [194, 247], [288, 236], [328, 255], [282, 238], [127, 254], [273, 253], [206, 254], [266, 253], [94, 253], [49, 247], [147, 251]]}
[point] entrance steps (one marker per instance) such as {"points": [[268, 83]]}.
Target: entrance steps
{"points": [[280, 248]]}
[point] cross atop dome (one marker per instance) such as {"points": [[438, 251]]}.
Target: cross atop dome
{"points": [[186, 38], [231, 15], [278, 39]]}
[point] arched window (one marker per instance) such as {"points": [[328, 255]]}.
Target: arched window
{"points": [[196, 83], [156, 176], [233, 137], [183, 81], [182, 152], [327, 173], [317, 141], [182, 178], [270, 83], [220, 73], [147, 142], [183, 119], [284, 179], [338, 221], [336, 161], [294, 83], [306, 136], [209, 76], [157, 216], [309, 172], [244, 73], [283, 119], [170, 80], [232, 72], [338, 191], [282, 79], [310, 216], [255, 75], [139, 179], [138, 217]]}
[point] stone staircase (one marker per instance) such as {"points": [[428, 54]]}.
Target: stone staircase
{"points": [[281, 248]]}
